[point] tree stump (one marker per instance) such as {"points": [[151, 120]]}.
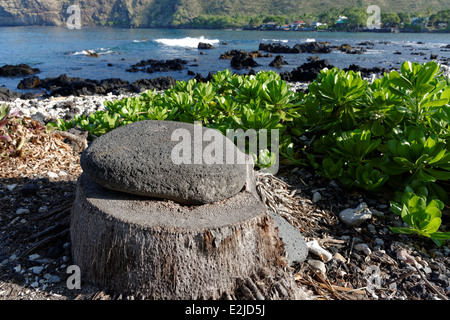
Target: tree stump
{"points": [[159, 249]]}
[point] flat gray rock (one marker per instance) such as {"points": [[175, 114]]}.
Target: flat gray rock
{"points": [[294, 244], [171, 160]]}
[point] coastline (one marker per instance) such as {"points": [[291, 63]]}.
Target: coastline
{"points": [[52, 108], [66, 107]]}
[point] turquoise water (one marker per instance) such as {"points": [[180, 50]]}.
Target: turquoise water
{"points": [[59, 50]]}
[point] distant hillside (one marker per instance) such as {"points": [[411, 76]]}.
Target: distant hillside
{"points": [[154, 13]]}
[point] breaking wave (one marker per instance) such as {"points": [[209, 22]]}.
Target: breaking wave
{"points": [[186, 42]]}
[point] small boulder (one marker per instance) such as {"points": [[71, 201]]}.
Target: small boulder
{"points": [[29, 83], [355, 217], [205, 46], [17, 70], [278, 62]]}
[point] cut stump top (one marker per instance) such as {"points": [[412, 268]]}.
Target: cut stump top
{"points": [[147, 212]]}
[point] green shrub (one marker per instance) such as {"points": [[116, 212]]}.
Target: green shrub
{"points": [[392, 132]]}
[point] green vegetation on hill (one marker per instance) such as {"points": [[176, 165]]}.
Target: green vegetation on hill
{"points": [[214, 13]]}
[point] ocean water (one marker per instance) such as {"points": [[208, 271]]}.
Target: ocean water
{"points": [[58, 50]]}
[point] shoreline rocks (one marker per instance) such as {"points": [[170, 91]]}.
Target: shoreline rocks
{"points": [[278, 62], [205, 46], [241, 59], [152, 66], [67, 86], [308, 47], [306, 72], [17, 70]]}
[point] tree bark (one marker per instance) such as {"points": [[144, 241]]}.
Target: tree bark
{"points": [[163, 250]]}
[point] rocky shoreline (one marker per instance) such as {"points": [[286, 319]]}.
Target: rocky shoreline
{"points": [[49, 99]]}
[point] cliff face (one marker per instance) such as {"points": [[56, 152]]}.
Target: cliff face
{"points": [[30, 12], [54, 12], [153, 13]]}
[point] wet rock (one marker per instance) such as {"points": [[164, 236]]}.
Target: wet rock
{"points": [[366, 72], [205, 46], [8, 95], [313, 47], [366, 43], [306, 72], [159, 84], [17, 70], [278, 62], [240, 59], [308, 47], [201, 78], [241, 62], [346, 48], [152, 66], [242, 53], [71, 86], [92, 54], [29, 83]]}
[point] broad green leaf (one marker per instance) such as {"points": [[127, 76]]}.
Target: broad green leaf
{"points": [[439, 174], [426, 73], [433, 225], [424, 177], [404, 162], [435, 103], [441, 235], [403, 230], [400, 81]]}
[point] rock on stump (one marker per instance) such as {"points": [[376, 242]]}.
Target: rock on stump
{"points": [[168, 160], [164, 250], [145, 226]]}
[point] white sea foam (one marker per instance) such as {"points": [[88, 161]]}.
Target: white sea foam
{"points": [[186, 42], [310, 40], [100, 51], [275, 40], [80, 52], [375, 51]]}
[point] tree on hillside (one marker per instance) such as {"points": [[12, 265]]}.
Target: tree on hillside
{"points": [[356, 17], [330, 16], [442, 16], [390, 19], [279, 19], [405, 17]]}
